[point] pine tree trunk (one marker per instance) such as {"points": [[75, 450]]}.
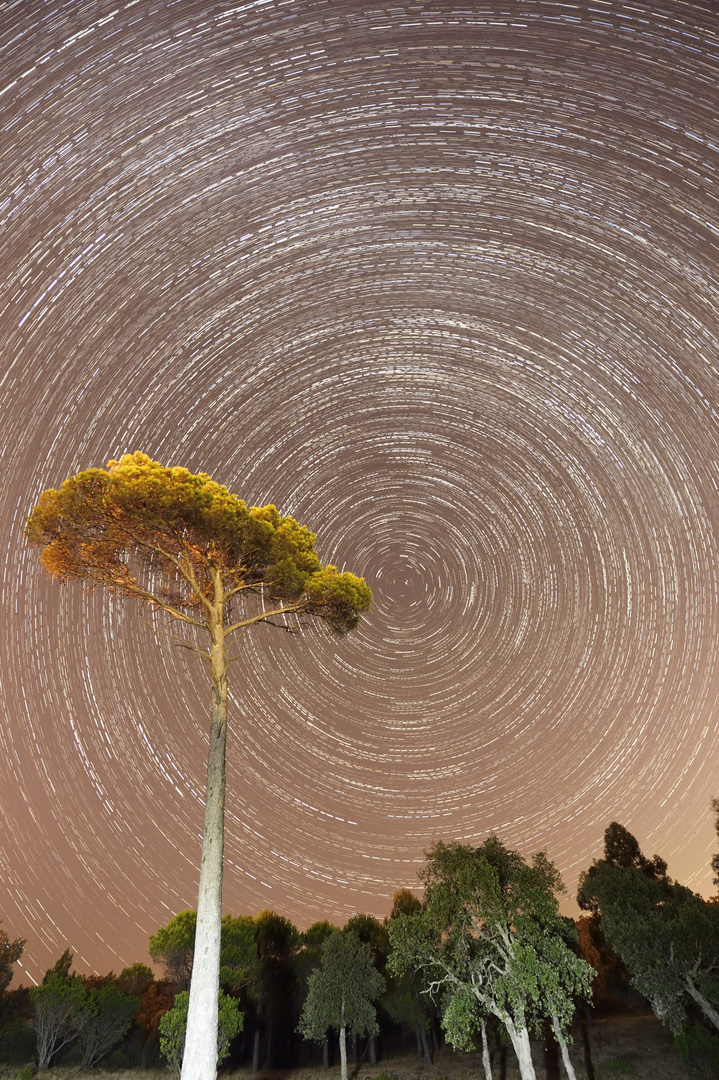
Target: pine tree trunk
{"points": [[200, 1056], [343, 1053], [487, 1064]]}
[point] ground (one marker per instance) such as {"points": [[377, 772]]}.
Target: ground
{"points": [[628, 1046]]}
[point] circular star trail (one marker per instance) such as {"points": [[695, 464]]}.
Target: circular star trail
{"points": [[442, 283]]}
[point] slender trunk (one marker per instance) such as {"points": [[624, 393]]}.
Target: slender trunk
{"points": [[485, 1053], [343, 1053], [433, 1029], [258, 1031], [419, 1043], [520, 1042], [585, 1017], [559, 1034], [325, 1053], [425, 1046], [709, 1011], [354, 1049], [200, 1056], [372, 1050], [550, 1050], [270, 1052]]}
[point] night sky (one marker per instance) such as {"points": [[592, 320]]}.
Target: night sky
{"points": [[441, 280]]}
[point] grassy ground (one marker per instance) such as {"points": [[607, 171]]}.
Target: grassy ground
{"points": [[628, 1046]]}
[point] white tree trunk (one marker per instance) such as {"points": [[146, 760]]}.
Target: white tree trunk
{"points": [[343, 1053], [559, 1034], [706, 1007], [200, 1057], [520, 1042], [485, 1053]]}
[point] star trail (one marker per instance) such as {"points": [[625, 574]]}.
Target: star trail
{"points": [[441, 280]]}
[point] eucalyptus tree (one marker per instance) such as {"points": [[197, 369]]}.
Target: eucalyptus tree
{"points": [[184, 545], [491, 941]]}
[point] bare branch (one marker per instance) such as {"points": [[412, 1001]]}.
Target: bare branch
{"points": [[243, 623], [177, 640]]}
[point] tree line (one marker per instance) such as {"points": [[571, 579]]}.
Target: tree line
{"points": [[483, 960]]}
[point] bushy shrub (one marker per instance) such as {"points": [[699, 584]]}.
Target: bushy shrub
{"points": [[17, 1042], [173, 1026], [699, 1051]]}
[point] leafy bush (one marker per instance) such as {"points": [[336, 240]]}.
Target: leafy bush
{"points": [[17, 1042], [699, 1051], [173, 1026]]}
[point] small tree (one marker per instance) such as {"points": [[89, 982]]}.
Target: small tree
{"points": [[135, 979], [186, 546], [101, 1020], [341, 993], [56, 1003], [174, 946], [10, 951], [173, 1028]]}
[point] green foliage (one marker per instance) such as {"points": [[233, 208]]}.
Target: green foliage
{"points": [[101, 1020], [61, 967], [136, 521], [237, 950], [173, 1026], [667, 936], [698, 1049], [490, 939], [404, 902], [342, 990], [27, 1072], [10, 951], [17, 1042], [174, 946], [621, 850], [55, 1004], [135, 979], [622, 1065]]}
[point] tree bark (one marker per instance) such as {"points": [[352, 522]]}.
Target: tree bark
{"points": [[372, 1050], [200, 1056], [569, 1068], [520, 1042], [325, 1053], [425, 1046], [487, 1064], [706, 1007], [550, 1050], [585, 1018], [343, 1053]]}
